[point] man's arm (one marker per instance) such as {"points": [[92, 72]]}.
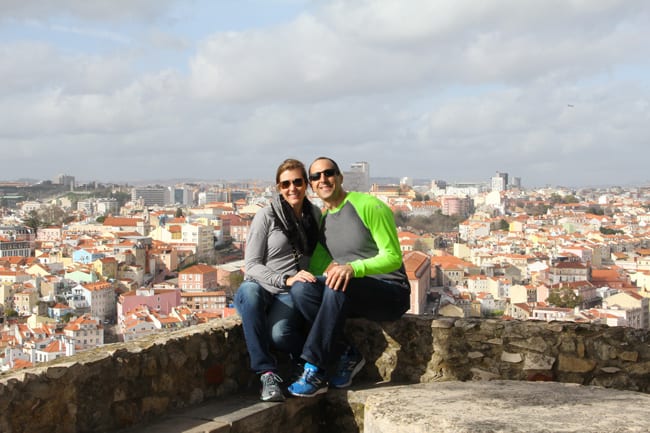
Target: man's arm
{"points": [[379, 219]]}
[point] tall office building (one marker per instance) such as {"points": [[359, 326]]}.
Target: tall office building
{"points": [[181, 195], [500, 182], [357, 178], [516, 182], [151, 196], [65, 180], [205, 197]]}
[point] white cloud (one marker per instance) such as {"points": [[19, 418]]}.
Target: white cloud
{"points": [[553, 91], [95, 10]]}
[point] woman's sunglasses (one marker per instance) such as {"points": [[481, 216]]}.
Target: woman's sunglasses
{"points": [[297, 182]]}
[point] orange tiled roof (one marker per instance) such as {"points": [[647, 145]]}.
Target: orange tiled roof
{"points": [[198, 269], [122, 221], [20, 364]]}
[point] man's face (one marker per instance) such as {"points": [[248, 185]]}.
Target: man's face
{"points": [[325, 180]]}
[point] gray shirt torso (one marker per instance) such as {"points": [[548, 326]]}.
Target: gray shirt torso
{"points": [[269, 255]]}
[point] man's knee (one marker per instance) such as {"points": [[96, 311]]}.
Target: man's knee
{"points": [[300, 290]]}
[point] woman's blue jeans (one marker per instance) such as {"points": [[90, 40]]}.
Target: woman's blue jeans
{"points": [[269, 321], [326, 311]]}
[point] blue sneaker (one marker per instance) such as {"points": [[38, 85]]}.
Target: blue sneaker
{"points": [[311, 383], [348, 366]]}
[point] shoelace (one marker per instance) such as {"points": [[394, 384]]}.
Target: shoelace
{"points": [[271, 378], [310, 376]]}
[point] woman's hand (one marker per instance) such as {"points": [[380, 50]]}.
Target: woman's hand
{"points": [[303, 276]]}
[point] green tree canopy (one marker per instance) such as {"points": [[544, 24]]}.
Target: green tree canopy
{"points": [[564, 298]]}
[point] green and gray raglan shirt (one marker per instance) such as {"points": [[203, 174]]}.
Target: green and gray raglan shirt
{"points": [[361, 232]]}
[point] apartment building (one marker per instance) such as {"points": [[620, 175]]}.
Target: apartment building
{"points": [[198, 278], [204, 301], [85, 332]]}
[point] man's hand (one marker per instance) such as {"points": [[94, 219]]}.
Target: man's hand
{"points": [[338, 276]]}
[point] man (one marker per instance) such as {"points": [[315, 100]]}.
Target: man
{"points": [[360, 259]]}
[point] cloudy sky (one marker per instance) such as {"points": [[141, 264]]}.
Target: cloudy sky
{"points": [[553, 91]]}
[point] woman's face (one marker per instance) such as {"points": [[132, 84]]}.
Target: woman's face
{"points": [[292, 186]]}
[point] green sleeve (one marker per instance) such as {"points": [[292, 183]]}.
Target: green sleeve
{"points": [[320, 259], [379, 219]]}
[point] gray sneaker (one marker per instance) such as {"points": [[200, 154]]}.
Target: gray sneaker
{"points": [[271, 390]]}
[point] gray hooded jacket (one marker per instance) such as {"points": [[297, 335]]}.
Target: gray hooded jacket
{"points": [[269, 255]]}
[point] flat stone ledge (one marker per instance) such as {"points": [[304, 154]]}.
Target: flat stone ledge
{"points": [[504, 407], [238, 414], [438, 407]]}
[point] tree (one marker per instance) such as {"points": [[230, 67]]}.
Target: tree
{"points": [[179, 213], [608, 231], [596, 210], [536, 209], [235, 280], [434, 223], [400, 218], [557, 198], [564, 298], [121, 197], [10, 312], [33, 221], [419, 245]]}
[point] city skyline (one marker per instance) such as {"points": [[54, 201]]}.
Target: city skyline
{"points": [[555, 93]]}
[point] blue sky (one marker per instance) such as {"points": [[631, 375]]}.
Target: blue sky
{"points": [[555, 92]]}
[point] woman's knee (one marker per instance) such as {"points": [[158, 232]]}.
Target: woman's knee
{"points": [[285, 334], [249, 294]]}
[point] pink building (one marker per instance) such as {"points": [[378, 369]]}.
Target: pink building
{"points": [[418, 269], [452, 205], [198, 278], [159, 300]]}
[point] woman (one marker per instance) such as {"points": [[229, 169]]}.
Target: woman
{"points": [[280, 242]]}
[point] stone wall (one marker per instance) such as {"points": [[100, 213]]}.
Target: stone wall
{"points": [[125, 384], [417, 349]]}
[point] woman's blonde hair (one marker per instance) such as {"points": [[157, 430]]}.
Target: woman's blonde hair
{"points": [[290, 164]]}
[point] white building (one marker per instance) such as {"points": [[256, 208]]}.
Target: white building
{"points": [[85, 332], [634, 306], [101, 299], [150, 196], [200, 236], [499, 181]]}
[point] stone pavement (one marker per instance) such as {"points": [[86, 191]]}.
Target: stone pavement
{"points": [[505, 407]]}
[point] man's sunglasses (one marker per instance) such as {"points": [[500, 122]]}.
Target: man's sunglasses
{"points": [[328, 173], [297, 182]]}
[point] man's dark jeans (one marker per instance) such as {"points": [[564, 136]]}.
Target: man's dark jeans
{"points": [[326, 310]]}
